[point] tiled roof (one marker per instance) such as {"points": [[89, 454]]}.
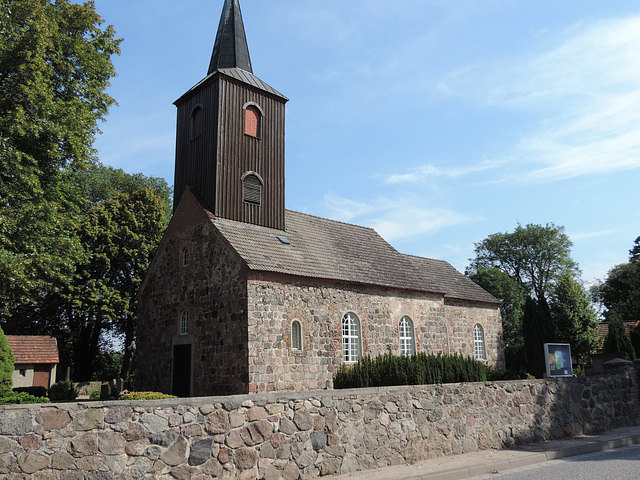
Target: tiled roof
{"points": [[451, 282], [35, 349], [317, 247], [603, 328]]}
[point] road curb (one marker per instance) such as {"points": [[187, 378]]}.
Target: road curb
{"points": [[523, 461]]}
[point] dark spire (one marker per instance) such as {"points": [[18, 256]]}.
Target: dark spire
{"points": [[230, 49]]}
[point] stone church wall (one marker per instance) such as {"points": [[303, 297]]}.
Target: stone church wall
{"points": [[211, 289], [287, 436], [274, 302]]}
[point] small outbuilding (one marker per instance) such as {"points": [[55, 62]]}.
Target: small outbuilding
{"points": [[36, 360]]}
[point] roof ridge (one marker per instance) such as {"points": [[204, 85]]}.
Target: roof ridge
{"points": [[250, 225], [336, 221], [425, 258]]}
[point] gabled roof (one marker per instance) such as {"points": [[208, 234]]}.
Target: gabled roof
{"points": [[230, 49], [453, 283], [320, 248], [36, 349]]}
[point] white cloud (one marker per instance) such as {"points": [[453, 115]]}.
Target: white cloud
{"points": [[589, 235], [588, 90], [429, 171], [344, 209], [395, 219]]}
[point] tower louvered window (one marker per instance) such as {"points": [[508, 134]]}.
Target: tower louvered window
{"points": [[252, 121], [252, 189]]}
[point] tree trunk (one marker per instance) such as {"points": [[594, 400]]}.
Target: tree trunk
{"points": [[129, 339]]}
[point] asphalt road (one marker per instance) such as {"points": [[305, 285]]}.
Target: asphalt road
{"points": [[618, 464]]}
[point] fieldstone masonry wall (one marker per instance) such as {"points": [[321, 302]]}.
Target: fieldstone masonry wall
{"points": [[290, 436], [440, 325]]}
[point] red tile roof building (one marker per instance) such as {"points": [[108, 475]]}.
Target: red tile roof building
{"points": [[36, 360], [34, 349]]}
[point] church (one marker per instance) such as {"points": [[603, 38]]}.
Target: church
{"points": [[246, 296]]}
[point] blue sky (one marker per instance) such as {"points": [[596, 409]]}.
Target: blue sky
{"points": [[436, 122]]}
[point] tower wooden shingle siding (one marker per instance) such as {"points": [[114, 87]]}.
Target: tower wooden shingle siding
{"points": [[216, 163]]}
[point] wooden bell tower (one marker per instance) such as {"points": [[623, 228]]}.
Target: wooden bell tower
{"points": [[230, 146]]}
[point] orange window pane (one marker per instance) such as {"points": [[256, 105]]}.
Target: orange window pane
{"points": [[252, 121]]}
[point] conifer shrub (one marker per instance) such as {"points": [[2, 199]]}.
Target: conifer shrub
{"points": [[420, 369], [6, 363], [63, 391]]}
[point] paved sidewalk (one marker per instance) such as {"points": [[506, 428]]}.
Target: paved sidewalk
{"points": [[468, 465]]}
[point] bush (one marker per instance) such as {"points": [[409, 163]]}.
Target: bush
{"points": [[6, 362], [420, 369], [145, 396], [10, 397], [35, 391], [617, 340], [63, 391]]}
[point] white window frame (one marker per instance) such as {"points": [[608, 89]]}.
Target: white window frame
{"points": [[406, 334], [351, 338], [185, 257], [296, 336], [479, 349], [183, 323]]}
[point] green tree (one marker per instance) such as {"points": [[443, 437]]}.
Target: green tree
{"points": [[535, 256], [122, 234], [575, 318], [538, 328], [121, 218], [620, 291], [98, 183], [512, 295], [7, 364], [55, 64], [618, 340], [634, 253]]}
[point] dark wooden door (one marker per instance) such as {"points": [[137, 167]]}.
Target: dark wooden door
{"points": [[181, 371], [41, 376]]}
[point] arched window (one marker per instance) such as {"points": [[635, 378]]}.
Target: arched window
{"points": [[350, 337], [252, 121], [196, 123], [478, 342], [251, 188], [183, 326], [407, 341], [296, 335], [185, 257]]}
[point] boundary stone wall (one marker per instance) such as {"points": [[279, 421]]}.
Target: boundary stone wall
{"points": [[303, 435]]}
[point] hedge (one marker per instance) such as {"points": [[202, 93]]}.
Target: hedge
{"points": [[420, 369]]}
